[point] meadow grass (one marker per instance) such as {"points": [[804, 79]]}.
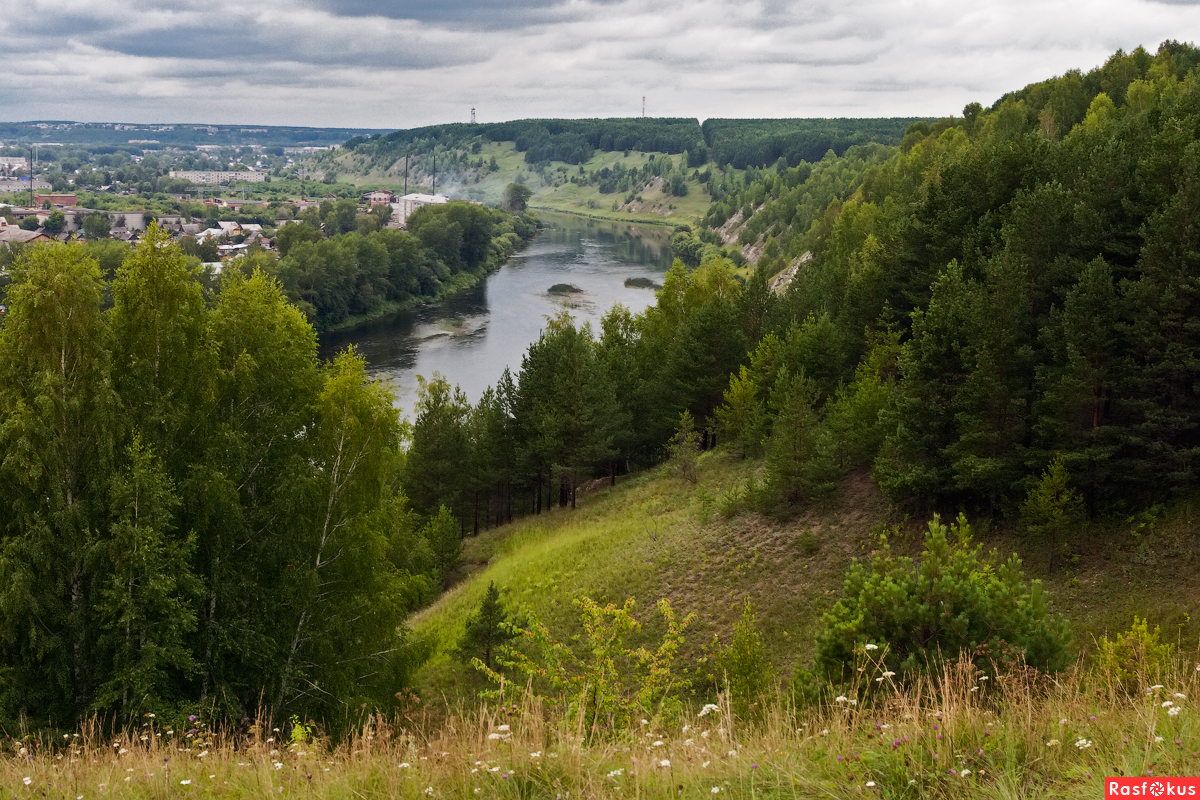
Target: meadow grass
{"points": [[951, 735]]}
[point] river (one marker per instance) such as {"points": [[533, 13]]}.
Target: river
{"points": [[471, 337]]}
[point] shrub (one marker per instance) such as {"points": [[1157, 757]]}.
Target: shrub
{"points": [[743, 666], [1134, 659], [955, 601]]}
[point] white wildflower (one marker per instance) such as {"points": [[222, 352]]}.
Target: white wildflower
{"points": [[708, 709], [965, 773], [657, 743], [1181, 696], [1167, 703], [705, 765], [1053, 743], [278, 765], [502, 728], [406, 765], [538, 754], [715, 790], [493, 736], [429, 790], [870, 784], [869, 646], [1174, 712], [1158, 740], [841, 698], [616, 773], [664, 763], [27, 780], [187, 782]]}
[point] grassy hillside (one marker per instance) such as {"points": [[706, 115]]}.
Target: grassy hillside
{"points": [[657, 535], [550, 183]]}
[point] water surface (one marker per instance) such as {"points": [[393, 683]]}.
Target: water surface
{"points": [[472, 337]]}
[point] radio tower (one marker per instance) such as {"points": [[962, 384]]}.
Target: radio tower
{"points": [[472, 115], [643, 105]]}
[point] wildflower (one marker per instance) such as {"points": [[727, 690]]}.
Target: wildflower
{"points": [[28, 780], [715, 790], [841, 698], [870, 646], [732, 753], [965, 773], [705, 765], [406, 765], [538, 754], [664, 763], [187, 782], [689, 742], [493, 736], [1154, 688], [1181, 695], [657, 743], [1157, 739], [429, 790], [708, 709], [1083, 744], [1167, 704], [278, 765], [913, 782], [203, 753], [754, 766], [122, 751], [703, 734], [616, 773], [1053, 743], [888, 673], [1063, 722], [1174, 712], [502, 728], [870, 784]]}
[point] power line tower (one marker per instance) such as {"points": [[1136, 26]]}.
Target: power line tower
{"points": [[472, 115], [643, 106]]}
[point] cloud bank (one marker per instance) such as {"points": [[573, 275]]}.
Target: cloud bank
{"points": [[380, 64]]}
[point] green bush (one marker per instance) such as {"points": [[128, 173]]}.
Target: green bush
{"points": [[743, 668], [955, 602], [1134, 659]]}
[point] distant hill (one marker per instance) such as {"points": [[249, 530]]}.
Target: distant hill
{"points": [[101, 133]]}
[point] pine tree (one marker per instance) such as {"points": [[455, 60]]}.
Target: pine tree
{"points": [[486, 630]]}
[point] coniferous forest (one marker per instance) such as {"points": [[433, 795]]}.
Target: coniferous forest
{"points": [[195, 511]]}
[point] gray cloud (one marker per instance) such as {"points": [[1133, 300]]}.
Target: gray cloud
{"points": [[400, 64]]}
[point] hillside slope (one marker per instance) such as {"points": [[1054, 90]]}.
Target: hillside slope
{"points": [[657, 535]]}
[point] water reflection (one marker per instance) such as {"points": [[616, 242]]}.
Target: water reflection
{"points": [[473, 336]]}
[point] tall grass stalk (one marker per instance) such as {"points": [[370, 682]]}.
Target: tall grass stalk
{"points": [[952, 735]]}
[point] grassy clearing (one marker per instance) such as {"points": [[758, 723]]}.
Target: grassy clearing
{"points": [[954, 736], [655, 535], [555, 194]]}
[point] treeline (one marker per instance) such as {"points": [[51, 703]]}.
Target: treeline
{"points": [[728, 142], [585, 404], [360, 267], [194, 511], [1013, 287], [741, 143]]}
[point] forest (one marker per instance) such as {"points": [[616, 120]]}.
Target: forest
{"points": [[998, 314]]}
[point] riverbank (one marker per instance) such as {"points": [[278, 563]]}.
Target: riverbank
{"points": [[456, 284]]}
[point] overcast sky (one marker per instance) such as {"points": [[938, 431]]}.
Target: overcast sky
{"points": [[405, 63]]}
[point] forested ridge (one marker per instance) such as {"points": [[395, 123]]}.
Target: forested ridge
{"points": [[738, 142], [997, 314]]}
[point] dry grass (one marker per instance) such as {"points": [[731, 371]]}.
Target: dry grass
{"points": [[1025, 735]]}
